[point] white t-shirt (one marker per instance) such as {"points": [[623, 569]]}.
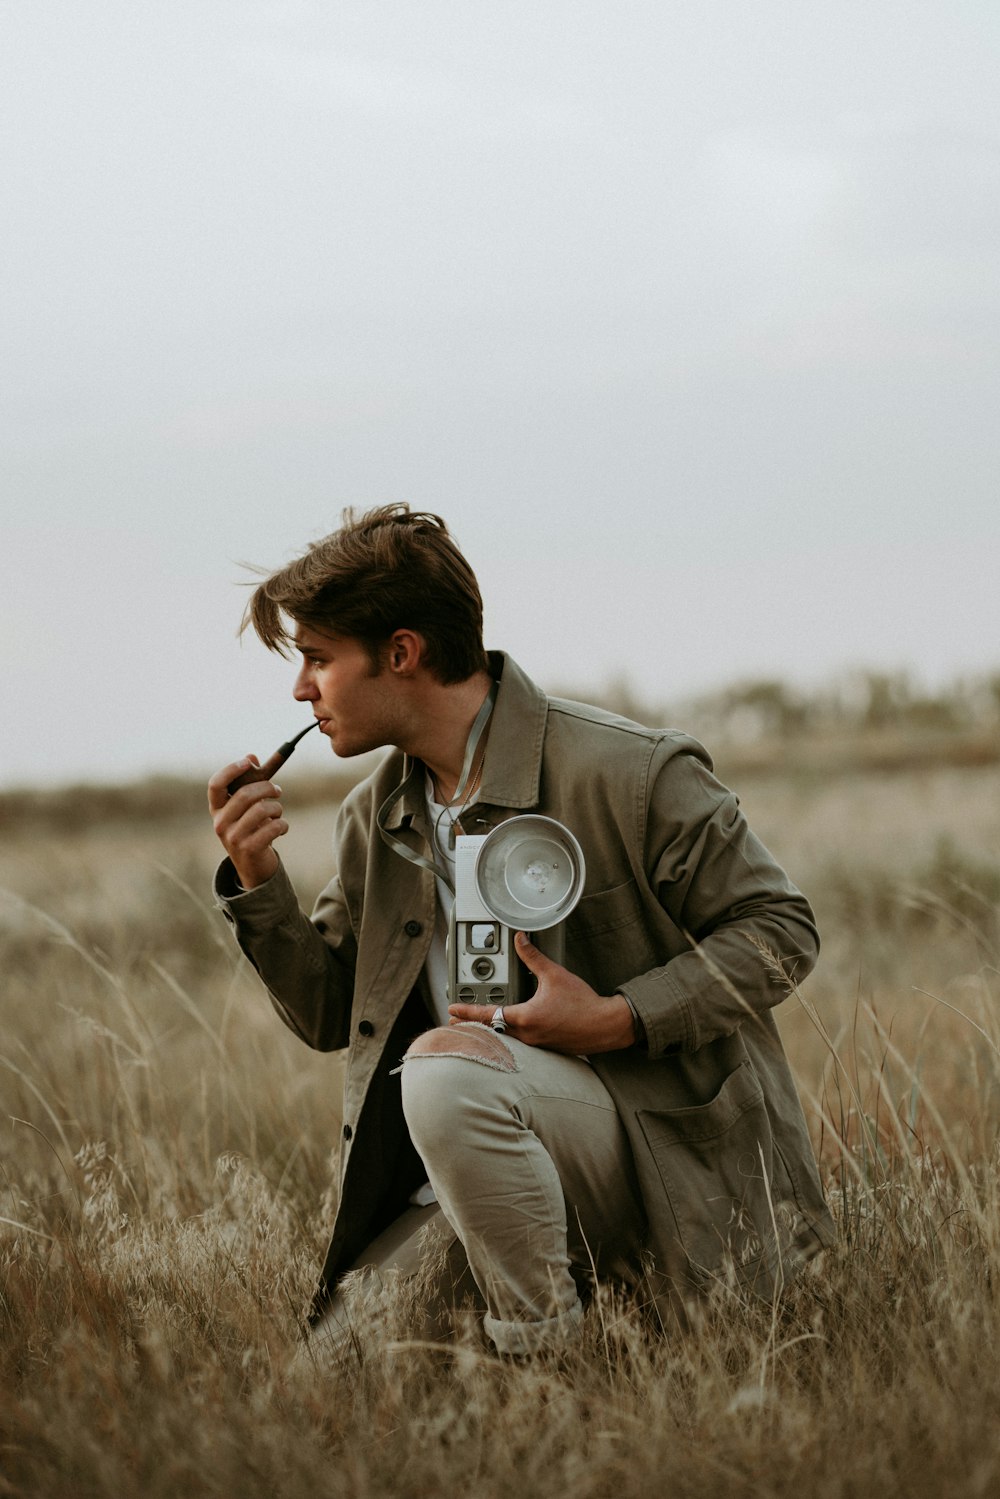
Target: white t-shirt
{"points": [[436, 967]]}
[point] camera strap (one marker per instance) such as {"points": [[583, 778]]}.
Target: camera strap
{"points": [[472, 744]]}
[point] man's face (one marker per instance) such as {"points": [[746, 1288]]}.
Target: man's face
{"points": [[357, 706]]}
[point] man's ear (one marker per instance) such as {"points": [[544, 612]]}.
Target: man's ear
{"points": [[405, 652]]}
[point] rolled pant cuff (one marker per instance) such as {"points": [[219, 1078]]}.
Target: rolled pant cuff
{"points": [[555, 1333]]}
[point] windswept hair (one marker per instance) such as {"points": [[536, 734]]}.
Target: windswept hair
{"points": [[388, 569]]}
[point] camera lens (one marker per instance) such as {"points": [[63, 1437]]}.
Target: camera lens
{"points": [[483, 968]]}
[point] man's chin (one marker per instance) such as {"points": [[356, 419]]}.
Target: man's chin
{"points": [[349, 749]]}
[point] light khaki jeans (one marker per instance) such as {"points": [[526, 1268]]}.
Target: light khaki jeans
{"points": [[533, 1173]]}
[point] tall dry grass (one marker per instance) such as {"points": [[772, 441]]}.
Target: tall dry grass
{"points": [[165, 1147]]}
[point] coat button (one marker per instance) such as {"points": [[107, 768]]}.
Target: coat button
{"points": [[413, 928], [365, 1028], [348, 1132]]}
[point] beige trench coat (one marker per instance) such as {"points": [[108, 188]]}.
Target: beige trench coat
{"points": [[684, 911]]}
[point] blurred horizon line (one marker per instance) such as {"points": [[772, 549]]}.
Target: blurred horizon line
{"points": [[749, 712]]}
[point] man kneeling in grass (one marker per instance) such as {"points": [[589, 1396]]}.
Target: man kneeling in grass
{"points": [[636, 1116]]}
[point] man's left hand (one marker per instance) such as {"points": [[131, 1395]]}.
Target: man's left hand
{"points": [[564, 1013]]}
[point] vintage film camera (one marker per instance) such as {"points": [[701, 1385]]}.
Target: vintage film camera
{"points": [[526, 875]]}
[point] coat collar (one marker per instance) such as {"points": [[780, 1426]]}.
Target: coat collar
{"points": [[513, 765]]}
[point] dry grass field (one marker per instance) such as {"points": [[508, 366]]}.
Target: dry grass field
{"points": [[166, 1155]]}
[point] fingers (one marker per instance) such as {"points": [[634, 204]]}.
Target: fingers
{"points": [[259, 818], [481, 1013], [248, 817], [531, 956], [535, 960], [218, 786], [247, 823]]}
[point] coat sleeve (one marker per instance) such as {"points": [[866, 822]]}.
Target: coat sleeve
{"points": [[308, 965], [750, 930]]}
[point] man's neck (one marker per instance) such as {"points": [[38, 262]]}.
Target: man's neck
{"points": [[440, 732]]}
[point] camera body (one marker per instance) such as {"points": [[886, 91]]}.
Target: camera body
{"points": [[526, 875], [483, 968]]}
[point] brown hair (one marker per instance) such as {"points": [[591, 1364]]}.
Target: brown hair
{"points": [[384, 570]]}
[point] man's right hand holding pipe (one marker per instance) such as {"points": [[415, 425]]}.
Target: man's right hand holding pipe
{"points": [[247, 822]]}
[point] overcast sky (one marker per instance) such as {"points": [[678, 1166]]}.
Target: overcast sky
{"points": [[685, 316]]}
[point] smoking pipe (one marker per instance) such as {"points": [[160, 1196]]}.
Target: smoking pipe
{"points": [[266, 771]]}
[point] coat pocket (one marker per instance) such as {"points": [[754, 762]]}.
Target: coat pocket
{"points": [[607, 940], [715, 1163]]}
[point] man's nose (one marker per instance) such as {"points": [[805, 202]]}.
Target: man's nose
{"points": [[305, 689]]}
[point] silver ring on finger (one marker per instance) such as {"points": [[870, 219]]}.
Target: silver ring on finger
{"points": [[497, 1021]]}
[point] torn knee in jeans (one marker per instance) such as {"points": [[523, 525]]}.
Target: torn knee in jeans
{"points": [[468, 1040]]}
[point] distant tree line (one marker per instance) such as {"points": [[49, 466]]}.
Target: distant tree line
{"points": [[856, 703], [863, 720]]}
